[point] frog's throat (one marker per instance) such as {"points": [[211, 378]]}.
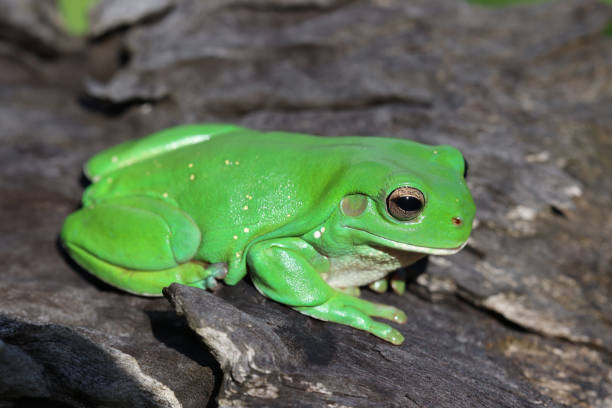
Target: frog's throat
{"points": [[378, 240]]}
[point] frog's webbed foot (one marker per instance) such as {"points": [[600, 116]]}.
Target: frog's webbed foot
{"points": [[358, 313], [216, 272]]}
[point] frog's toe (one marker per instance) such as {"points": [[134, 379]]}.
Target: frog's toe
{"points": [[395, 337], [399, 316], [211, 283], [398, 282], [218, 270], [398, 285], [380, 286]]}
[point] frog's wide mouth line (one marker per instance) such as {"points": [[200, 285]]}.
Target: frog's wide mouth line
{"points": [[411, 248]]}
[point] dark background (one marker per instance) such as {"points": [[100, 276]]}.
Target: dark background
{"points": [[520, 318]]}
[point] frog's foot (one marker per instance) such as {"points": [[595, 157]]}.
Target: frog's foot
{"points": [[355, 312], [214, 273]]}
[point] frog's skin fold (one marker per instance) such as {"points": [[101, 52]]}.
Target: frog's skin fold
{"points": [[310, 218]]}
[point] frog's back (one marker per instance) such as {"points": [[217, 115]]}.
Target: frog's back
{"points": [[135, 151]]}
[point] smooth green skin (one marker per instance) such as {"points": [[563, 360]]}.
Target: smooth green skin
{"points": [[182, 204]]}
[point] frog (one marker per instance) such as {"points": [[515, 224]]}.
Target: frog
{"points": [[310, 219]]}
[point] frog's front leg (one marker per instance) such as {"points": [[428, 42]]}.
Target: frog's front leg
{"points": [[138, 244], [288, 270]]}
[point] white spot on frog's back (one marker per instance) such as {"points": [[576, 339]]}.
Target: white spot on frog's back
{"points": [[365, 265]]}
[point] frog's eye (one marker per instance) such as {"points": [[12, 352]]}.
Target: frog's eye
{"points": [[465, 168], [405, 203]]}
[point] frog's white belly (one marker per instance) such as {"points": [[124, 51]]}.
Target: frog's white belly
{"points": [[365, 265]]}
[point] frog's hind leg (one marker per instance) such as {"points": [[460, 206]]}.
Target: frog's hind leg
{"points": [[145, 282], [139, 244]]}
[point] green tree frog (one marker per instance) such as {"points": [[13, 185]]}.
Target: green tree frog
{"points": [[310, 218]]}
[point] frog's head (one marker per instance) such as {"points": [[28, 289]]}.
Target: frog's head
{"points": [[411, 197]]}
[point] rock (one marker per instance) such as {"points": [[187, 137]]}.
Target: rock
{"points": [[61, 364], [36, 26], [271, 355], [519, 318], [65, 338], [112, 14], [417, 70]]}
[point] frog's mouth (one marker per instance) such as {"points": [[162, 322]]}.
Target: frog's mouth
{"points": [[380, 241]]}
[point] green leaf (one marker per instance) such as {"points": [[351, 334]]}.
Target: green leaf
{"points": [[608, 29], [75, 14]]}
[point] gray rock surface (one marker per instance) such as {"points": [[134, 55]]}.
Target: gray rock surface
{"points": [[36, 26], [521, 317], [267, 359], [113, 14]]}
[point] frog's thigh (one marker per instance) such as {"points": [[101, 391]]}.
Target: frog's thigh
{"points": [[284, 270], [121, 240]]}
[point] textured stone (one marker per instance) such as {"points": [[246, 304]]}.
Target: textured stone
{"points": [[36, 26], [515, 98], [271, 355], [112, 14], [519, 318]]}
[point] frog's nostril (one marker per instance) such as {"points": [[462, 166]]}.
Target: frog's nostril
{"points": [[457, 221]]}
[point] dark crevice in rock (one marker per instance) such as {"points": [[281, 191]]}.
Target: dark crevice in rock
{"points": [[25, 41], [296, 6], [124, 57], [111, 17], [475, 251], [557, 211], [173, 331], [108, 108], [231, 110], [468, 299], [103, 34], [75, 370], [34, 403]]}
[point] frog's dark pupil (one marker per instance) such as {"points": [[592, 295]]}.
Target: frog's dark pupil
{"points": [[408, 203], [465, 168]]}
